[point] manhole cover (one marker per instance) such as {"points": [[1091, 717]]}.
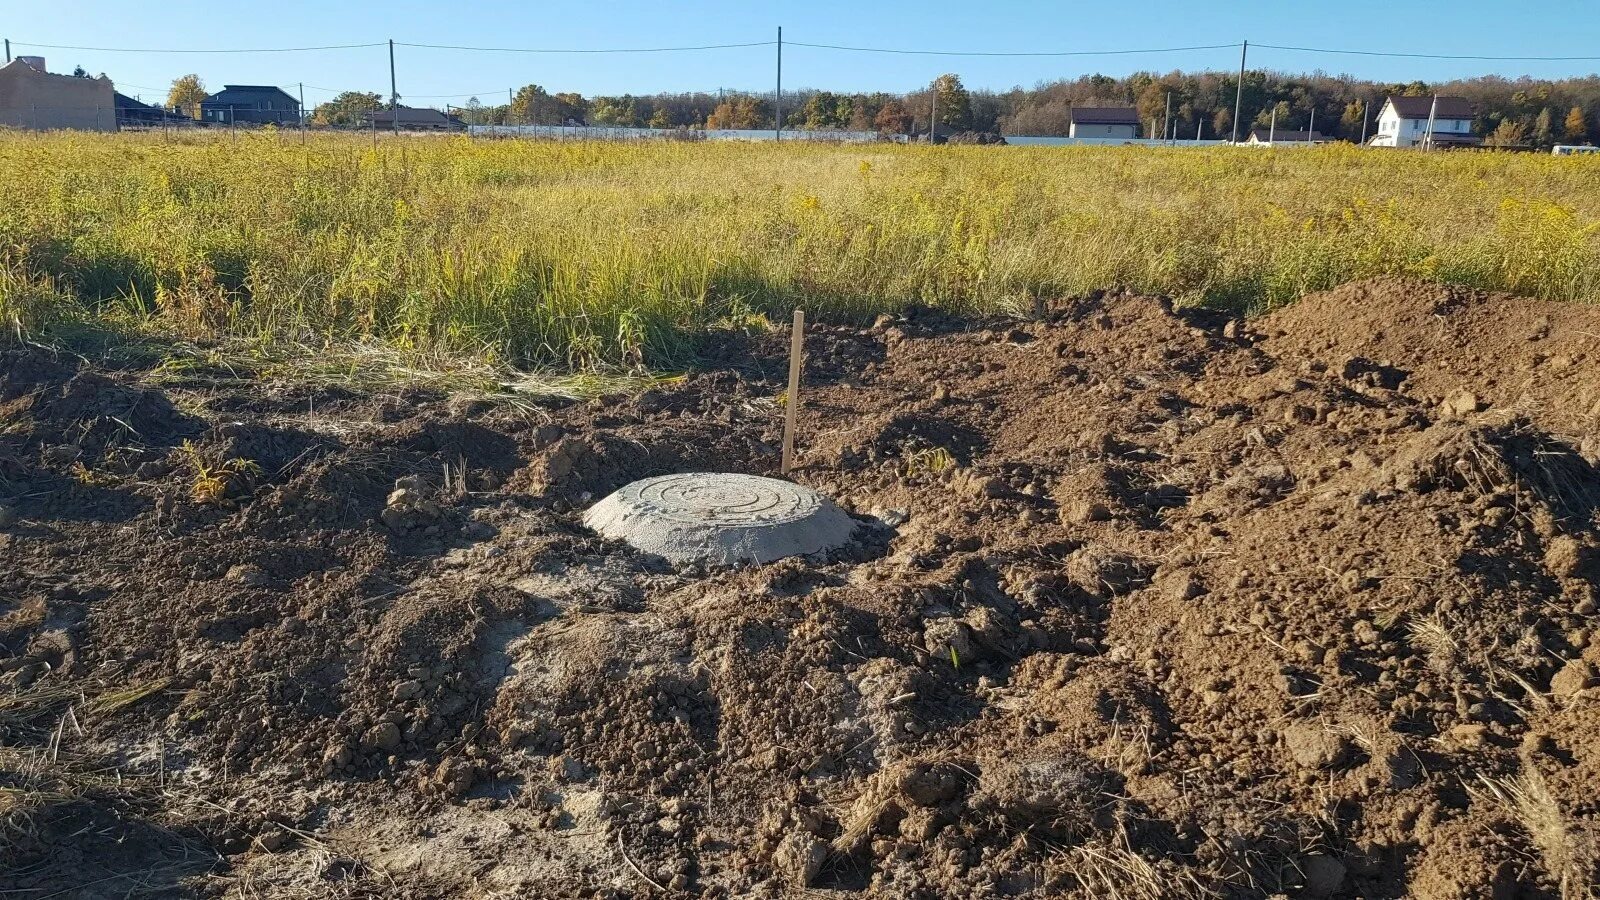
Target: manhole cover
{"points": [[720, 518]]}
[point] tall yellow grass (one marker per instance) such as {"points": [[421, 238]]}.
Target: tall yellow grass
{"points": [[593, 254]]}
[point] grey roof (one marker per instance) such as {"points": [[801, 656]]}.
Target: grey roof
{"points": [[412, 115], [249, 93], [123, 101], [1105, 115], [1418, 107]]}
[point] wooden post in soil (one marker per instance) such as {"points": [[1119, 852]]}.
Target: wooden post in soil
{"points": [[791, 407]]}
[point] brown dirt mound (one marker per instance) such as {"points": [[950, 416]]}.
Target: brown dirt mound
{"points": [[1456, 347], [1146, 604]]}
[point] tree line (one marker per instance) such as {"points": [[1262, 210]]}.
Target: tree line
{"points": [[1509, 112]]}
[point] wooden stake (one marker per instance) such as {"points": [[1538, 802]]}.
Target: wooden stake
{"points": [[791, 409]]}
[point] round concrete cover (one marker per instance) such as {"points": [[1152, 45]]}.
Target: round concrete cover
{"points": [[720, 518]]}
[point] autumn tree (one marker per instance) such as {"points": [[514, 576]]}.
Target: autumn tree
{"points": [[1352, 123], [1576, 127], [533, 105], [1277, 116], [348, 108], [739, 113], [954, 103], [186, 95], [893, 118], [1222, 123], [1509, 133], [1544, 129], [615, 111], [525, 105]]}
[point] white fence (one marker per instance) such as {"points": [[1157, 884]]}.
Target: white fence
{"points": [[603, 133]]}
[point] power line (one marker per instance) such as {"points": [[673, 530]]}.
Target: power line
{"points": [[817, 46], [191, 50], [584, 50], [452, 96], [1433, 55], [1011, 53]]}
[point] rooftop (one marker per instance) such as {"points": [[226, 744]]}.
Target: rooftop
{"points": [[1419, 107], [1105, 115]]}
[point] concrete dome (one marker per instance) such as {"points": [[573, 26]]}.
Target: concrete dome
{"points": [[721, 518]]}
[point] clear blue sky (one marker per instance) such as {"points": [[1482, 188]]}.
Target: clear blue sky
{"points": [[1550, 28]]}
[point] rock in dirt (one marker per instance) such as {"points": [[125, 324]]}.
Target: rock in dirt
{"points": [[453, 778], [1575, 676], [409, 506], [249, 576], [1462, 403], [1324, 875], [1083, 512], [930, 785], [891, 517], [1059, 795], [1315, 747], [383, 736], [943, 637], [800, 856], [1565, 556]]}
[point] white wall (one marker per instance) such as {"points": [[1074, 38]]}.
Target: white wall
{"points": [[1394, 131], [1101, 131]]}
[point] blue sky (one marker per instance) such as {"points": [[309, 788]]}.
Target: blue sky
{"points": [[1480, 27]]}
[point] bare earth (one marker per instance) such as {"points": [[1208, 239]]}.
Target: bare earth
{"points": [[1142, 605]]}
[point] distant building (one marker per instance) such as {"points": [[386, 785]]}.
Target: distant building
{"points": [[415, 119], [255, 104], [1266, 137], [31, 97], [133, 112], [1403, 122], [1103, 122]]}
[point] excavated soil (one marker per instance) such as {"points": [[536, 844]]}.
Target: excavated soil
{"points": [[1142, 604]]}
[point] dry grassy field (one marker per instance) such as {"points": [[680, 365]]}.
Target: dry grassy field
{"points": [[594, 255]]}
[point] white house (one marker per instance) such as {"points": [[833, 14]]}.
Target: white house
{"points": [[1403, 122], [1103, 122]]}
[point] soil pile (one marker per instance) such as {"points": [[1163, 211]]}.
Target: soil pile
{"points": [[1143, 604]]}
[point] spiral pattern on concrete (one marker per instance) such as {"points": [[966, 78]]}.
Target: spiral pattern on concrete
{"points": [[721, 518]]}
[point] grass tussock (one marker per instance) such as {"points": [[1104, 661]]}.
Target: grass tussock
{"points": [[606, 256], [1570, 852]]}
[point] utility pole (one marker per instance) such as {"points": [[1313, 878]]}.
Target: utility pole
{"points": [[510, 101], [1313, 126], [1366, 109], [1272, 128], [1238, 96], [1427, 136], [778, 105], [1200, 123], [1166, 121], [394, 93], [933, 116], [302, 106]]}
